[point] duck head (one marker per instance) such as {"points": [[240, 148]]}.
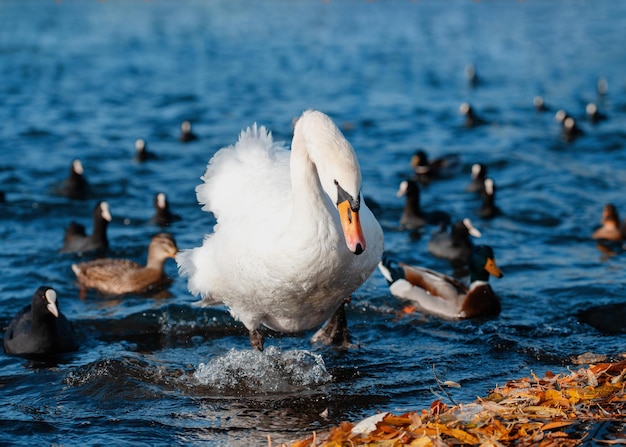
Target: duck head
{"points": [[482, 264]]}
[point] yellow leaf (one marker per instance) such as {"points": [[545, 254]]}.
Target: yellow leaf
{"points": [[552, 395], [421, 442], [397, 420], [457, 433]]}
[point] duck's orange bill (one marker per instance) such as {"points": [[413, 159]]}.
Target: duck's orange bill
{"points": [[351, 225], [492, 268]]}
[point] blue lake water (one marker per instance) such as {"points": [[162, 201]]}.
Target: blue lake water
{"points": [[85, 79]]}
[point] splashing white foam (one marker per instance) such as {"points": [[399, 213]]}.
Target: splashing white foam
{"points": [[270, 371]]}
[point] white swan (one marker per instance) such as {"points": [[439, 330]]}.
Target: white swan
{"points": [[293, 237]]}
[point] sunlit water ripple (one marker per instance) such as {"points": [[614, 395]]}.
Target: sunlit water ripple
{"points": [[85, 79]]}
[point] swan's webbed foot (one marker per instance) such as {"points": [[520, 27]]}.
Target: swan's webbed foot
{"points": [[335, 331], [257, 339]]}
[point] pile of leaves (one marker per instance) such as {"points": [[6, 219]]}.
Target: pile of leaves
{"points": [[556, 410]]}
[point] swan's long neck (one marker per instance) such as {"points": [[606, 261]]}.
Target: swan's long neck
{"points": [[326, 181], [308, 193], [317, 140]]}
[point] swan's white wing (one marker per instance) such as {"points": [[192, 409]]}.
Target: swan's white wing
{"points": [[248, 189], [248, 182]]}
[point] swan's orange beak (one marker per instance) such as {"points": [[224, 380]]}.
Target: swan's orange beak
{"points": [[351, 225]]}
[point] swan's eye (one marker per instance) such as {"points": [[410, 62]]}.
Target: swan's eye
{"points": [[343, 196]]}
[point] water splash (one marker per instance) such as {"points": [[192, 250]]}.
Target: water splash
{"points": [[270, 371]]}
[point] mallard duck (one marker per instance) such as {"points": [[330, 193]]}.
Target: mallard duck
{"points": [[438, 294], [294, 237], [141, 151], [488, 209], [456, 245], [162, 214], [428, 170], [478, 176], [76, 238], [412, 214], [612, 229], [75, 186], [40, 328], [112, 276], [471, 119], [186, 135]]}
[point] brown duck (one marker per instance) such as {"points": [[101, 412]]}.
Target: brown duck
{"points": [[122, 276], [611, 229]]}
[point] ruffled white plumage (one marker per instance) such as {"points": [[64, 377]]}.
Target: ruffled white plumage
{"points": [[235, 183], [277, 255]]}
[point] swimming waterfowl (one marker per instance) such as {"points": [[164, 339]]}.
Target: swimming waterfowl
{"points": [[593, 113], [428, 170], [76, 238], [113, 276], [162, 214], [412, 215], [488, 209], [456, 245], [478, 176], [612, 229], [186, 135], [570, 130], [75, 186], [40, 328], [141, 151], [434, 293], [471, 119], [471, 75], [294, 237], [602, 86], [560, 116], [540, 104]]}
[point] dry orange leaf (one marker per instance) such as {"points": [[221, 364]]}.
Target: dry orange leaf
{"points": [[526, 413], [556, 424], [459, 434]]}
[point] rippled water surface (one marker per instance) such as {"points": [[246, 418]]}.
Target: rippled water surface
{"points": [[85, 79]]}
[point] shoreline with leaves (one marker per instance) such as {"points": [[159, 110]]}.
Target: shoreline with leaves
{"points": [[587, 405]]}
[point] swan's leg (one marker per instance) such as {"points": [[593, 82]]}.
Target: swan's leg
{"points": [[257, 339], [335, 331]]}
